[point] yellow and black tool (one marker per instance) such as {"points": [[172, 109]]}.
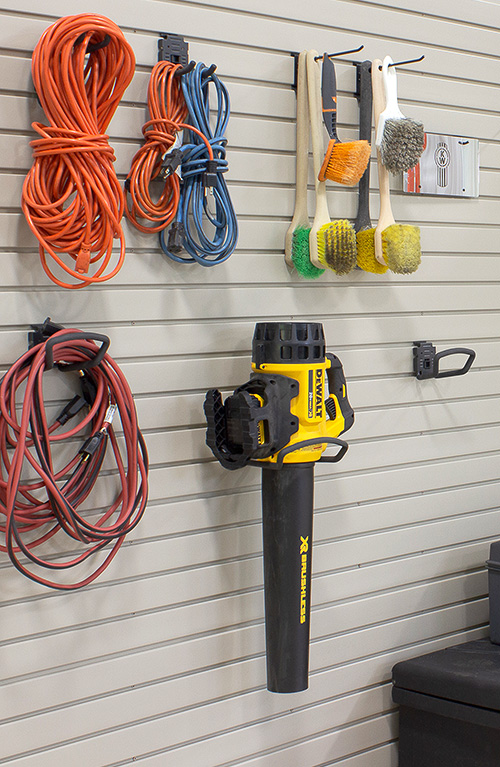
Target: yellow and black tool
{"points": [[280, 420]]}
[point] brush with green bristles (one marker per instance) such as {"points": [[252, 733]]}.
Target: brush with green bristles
{"points": [[331, 243], [297, 236], [396, 245], [365, 233]]}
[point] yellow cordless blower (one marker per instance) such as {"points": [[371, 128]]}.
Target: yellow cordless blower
{"points": [[280, 420]]}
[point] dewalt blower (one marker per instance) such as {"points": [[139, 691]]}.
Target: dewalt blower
{"points": [[279, 420]]}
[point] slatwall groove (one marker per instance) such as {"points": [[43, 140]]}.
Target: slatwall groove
{"points": [[162, 659]]}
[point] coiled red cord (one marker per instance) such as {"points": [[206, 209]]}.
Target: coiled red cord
{"points": [[71, 197], [38, 509]]}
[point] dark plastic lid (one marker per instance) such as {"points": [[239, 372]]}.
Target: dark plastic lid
{"points": [[494, 561], [467, 673], [288, 343]]}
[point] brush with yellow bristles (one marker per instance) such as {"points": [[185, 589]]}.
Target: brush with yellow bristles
{"points": [[344, 162], [365, 233], [331, 243], [396, 245]]}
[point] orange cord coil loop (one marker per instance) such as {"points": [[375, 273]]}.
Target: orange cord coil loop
{"points": [[167, 109], [71, 197]]}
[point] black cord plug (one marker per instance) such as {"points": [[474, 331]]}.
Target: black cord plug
{"points": [[210, 175], [92, 444], [171, 162], [39, 333], [72, 408], [176, 235], [89, 389]]}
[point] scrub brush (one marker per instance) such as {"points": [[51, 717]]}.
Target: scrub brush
{"points": [[363, 226], [331, 243], [399, 138], [344, 162], [297, 236], [396, 245]]}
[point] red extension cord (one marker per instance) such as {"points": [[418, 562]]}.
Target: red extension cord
{"points": [[37, 509], [71, 197]]}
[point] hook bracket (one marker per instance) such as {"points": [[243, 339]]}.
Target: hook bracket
{"points": [[172, 48]]}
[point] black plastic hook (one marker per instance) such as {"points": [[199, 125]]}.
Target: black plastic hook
{"points": [[185, 70], [92, 47]]}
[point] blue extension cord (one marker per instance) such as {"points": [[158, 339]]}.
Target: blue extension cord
{"points": [[200, 189]]}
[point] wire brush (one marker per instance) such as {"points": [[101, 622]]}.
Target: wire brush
{"points": [[37, 509], [71, 197], [203, 180]]}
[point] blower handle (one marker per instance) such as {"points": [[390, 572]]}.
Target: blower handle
{"points": [[287, 516]]}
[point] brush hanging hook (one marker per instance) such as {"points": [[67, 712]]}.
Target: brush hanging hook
{"points": [[408, 61], [340, 53]]}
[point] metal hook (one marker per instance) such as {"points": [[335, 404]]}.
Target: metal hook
{"points": [[409, 61], [341, 53], [211, 70]]}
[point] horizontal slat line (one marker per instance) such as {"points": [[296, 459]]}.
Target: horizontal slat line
{"points": [[266, 17], [407, 587], [114, 729], [136, 651], [177, 710]]}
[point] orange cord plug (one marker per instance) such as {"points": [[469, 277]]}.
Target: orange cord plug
{"points": [[71, 197]]}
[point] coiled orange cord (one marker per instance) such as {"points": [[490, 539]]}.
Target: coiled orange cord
{"points": [[167, 110], [71, 197]]}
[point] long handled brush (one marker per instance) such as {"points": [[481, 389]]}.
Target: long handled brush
{"points": [[397, 245], [331, 243], [399, 138], [365, 233], [297, 236], [344, 162]]}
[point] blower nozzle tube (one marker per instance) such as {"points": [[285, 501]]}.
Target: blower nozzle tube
{"points": [[287, 515]]}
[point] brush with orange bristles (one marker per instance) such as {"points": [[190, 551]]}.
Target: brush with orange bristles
{"points": [[345, 161]]}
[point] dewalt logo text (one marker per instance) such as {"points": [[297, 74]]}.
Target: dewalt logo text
{"points": [[318, 388]]}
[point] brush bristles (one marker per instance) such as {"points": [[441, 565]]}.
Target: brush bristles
{"points": [[401, 248], [337, 246], [345, 162], [365, 240], [402, 144], [300, 254]]}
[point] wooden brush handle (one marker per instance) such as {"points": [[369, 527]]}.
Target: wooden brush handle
{"points": [[385, 217], [321, 215], [300, 214]]}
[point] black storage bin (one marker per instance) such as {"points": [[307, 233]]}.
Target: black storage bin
{"points": [[493, 565], [449, 707]]}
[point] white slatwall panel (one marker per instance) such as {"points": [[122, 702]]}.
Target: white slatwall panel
{"points": [[161, 661]]}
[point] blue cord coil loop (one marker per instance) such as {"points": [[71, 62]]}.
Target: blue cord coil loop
{"points": [[204, 197]]}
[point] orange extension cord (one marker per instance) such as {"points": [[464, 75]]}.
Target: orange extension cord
{"points": [[167, 110], [71, 197]]}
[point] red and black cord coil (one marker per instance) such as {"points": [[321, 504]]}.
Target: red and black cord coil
{"points": [[35, 509]]}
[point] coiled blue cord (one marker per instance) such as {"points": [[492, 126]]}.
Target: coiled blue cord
{"points": [[198, 203]]}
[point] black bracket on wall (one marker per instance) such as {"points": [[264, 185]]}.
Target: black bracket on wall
{"points": [[172, 48], [426, 361]]}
